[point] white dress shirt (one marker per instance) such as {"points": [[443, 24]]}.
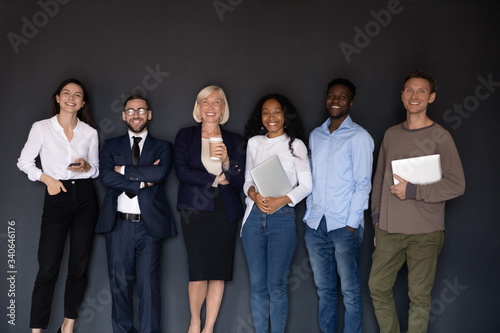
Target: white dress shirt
{"points": [[47, 139], [126, 204]]}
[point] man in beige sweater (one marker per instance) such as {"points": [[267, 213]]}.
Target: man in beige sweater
{"points": [[409, 218]]}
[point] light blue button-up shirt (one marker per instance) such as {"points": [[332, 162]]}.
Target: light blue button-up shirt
{"points": [[341, 165]]}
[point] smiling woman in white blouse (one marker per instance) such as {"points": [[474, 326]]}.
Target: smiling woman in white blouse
{"points": [[69, 154], [268, 231]]}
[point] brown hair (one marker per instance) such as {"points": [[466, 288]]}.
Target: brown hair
{"points": [[421, 75]]}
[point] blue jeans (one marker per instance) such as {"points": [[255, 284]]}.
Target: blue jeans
{"points": [[269, 242], [336, 253]]}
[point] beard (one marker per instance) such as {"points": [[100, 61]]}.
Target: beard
{"points": [[137, 128]]}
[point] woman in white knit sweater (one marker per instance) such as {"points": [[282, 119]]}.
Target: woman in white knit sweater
{"points": [[268, 231]]}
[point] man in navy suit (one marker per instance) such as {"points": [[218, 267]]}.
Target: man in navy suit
{"points": [[135, 217]]}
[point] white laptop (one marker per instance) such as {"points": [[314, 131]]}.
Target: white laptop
{"points": [[271, 178], [418, 170]]}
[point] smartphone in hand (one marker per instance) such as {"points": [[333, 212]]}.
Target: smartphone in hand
{"points": [[74, 164]]}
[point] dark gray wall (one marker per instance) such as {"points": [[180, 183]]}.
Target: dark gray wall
{"points": [[171, 49]]}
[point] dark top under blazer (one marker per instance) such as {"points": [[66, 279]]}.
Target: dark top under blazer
{"points": [[155, 211], [195, 188]]}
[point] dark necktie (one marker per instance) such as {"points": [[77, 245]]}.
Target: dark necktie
{"points": [[135, 158], [136, 153]]}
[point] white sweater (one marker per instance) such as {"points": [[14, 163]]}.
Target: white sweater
{"points": [[297, 168]]}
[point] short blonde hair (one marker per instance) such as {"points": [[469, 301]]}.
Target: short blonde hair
{"points": [[203, 94]]}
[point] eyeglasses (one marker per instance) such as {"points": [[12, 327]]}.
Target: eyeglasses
{"points": [[140, 111]]}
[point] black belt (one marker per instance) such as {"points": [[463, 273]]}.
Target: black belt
{"points": [[129, 217], [68, 182]]}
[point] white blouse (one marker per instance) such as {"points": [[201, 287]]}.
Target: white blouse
{"points": [[48, 140], [297, 168]]}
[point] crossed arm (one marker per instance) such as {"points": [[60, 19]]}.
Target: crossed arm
{"points": [[134, 176]]}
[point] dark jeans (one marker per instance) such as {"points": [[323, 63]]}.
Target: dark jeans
{"points": [[74, 211]]}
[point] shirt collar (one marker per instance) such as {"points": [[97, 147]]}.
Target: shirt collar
{"points": [[143, 135], [55, 124], [346, 124]]}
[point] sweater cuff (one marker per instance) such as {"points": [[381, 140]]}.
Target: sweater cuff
{"points": [[375, 218], [411, 191], [292, 198]]}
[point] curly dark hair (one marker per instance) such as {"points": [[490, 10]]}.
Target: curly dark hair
{"points": [[292, 127]]}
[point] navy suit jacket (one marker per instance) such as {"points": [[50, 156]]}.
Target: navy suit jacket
{"points": [[195, 188], [155, 211]]}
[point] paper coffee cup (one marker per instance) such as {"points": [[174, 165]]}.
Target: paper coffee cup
{"points": [[213, 142]]}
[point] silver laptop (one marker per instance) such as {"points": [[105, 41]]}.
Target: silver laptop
{"points": [[418, 170], [271, 178]]}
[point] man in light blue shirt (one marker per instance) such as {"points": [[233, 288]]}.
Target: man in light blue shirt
{"points": [[341, 165]]}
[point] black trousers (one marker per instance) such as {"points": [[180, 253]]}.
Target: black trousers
{"points": [[74, 211]]}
